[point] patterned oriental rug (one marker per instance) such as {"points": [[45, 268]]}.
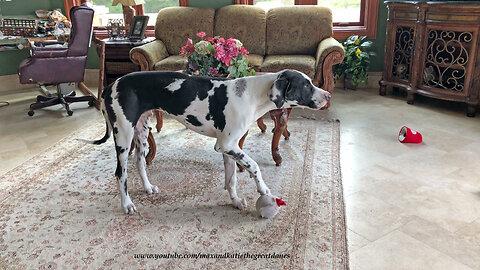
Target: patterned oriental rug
{"points": [[62, 208]]}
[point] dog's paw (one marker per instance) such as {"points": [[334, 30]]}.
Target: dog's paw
{"points": [[264, 190], [129, 208], [240, 203], [151, 189]]}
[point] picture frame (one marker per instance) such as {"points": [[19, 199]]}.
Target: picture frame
{"points": [[114, 28], [138, 27]]}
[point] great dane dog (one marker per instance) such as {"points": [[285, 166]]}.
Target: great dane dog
{"points": [[215, 107]]}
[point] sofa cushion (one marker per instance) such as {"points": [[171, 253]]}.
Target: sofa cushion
{"points": [[303, 63], [255, 61], [175, 24], [245, 23], [297, 29], [173, 63]]}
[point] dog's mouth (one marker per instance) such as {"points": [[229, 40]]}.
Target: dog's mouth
{"points": [[322, 106]]}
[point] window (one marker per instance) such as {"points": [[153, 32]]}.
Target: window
{"points": [[268, 4], [350, 17], [105, 11], [344, 11]]}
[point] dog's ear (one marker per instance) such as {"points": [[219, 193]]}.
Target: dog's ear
{"points": [[279, 89]]}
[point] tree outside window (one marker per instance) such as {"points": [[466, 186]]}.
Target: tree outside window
{"points": [[343, 10], [105, 11]]}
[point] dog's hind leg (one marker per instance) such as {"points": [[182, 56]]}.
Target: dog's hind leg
{"points": [[140, 138], [231, 182], [123, 138]]}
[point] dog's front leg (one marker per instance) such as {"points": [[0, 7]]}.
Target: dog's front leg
{"points": [[231, 182], [237, 154]]}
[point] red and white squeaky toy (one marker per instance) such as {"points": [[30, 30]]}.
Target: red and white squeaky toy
{"points": [[268, 205], [408, 135]]}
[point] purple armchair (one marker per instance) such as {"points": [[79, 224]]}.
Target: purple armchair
{"points": [[61, 65]]}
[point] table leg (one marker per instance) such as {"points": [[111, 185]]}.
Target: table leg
{"points": [[159, 116], [152, 148], [280, 118], [261, 124], [240, 144]]}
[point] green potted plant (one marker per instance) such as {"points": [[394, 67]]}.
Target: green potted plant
{"points": [[356, 63]]}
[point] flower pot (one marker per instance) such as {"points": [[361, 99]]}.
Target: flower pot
{"points": [[347, 83]]}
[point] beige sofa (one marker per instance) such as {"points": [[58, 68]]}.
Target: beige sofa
{"points": [[296, 37]]}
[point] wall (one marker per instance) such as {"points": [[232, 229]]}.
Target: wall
{"points": [[377, 62], [9, 60], [13, 58], [216, 4]]}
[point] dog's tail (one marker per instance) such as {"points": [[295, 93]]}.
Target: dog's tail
{"points": [[99, 141], [108, 128]]}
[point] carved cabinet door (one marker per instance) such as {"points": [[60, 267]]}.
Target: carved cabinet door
{"points": [[402, 50], [448, 58]]}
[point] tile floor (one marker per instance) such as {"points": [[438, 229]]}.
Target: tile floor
{"points": [[408, 206]]}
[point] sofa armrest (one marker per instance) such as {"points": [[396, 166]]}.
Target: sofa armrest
{"points": [[148, 54], [329, 53]]}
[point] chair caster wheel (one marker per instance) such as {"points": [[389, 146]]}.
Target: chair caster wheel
{"points": [[91, 103], [69, 113], [31, 113]]}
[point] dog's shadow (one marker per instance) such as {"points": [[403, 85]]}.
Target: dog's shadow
{"points": [[206, 216]]}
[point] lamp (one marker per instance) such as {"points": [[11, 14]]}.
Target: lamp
{"points": [[128, 11]]}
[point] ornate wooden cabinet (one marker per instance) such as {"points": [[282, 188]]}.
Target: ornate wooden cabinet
{"points": [[432, 49]]}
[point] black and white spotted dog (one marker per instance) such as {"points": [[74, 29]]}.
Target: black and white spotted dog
{"points": [[215, 107]]}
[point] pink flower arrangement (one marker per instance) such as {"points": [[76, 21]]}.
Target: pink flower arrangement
{"points": [[216, 56], [188, 48]]}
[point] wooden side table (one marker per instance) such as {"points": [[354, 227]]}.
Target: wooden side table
{"points": [[117, 58], [114, 63]]}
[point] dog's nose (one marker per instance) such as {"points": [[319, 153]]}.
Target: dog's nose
{"points": [[328, 96]]}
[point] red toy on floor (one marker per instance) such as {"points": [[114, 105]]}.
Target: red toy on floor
{"points": [[408, 135]]}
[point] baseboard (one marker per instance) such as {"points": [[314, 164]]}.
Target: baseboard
{"points": [[373, 79], [10, 83]]}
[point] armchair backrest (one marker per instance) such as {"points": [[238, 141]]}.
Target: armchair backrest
{"points": [[81, 33], [245, 23], [297, 29], [175, 24]]}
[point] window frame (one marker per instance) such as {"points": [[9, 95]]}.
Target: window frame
{"points": [[366, 27], [101, 32]]}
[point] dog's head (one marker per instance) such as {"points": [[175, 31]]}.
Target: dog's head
{"points": [[293, 88]]}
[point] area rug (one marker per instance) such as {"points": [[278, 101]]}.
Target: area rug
{"points": [[61, 209]]}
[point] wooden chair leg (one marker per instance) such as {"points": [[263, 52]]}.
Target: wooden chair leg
{"points": [[240, 144], [152, 148], [286, 133], [261, 124], [159, 116], [280, 118]]}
